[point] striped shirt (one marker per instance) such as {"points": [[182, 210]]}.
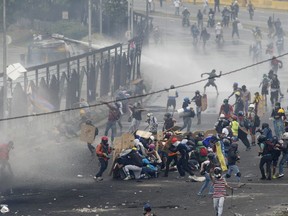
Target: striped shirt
{"points": [[219, 188]]}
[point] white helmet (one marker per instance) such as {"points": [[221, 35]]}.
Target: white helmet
{"points": [[252, 106], [222, 115], [152, 138], [285, 136], [218, 23]]}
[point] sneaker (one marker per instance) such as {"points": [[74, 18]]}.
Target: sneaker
{"points": [[127, 178], [191, 177], [274, 177], [199, 194], [180, 177], [280, 175], [99, 179]]}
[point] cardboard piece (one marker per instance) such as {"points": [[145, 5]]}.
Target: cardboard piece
{"points": [[87, 133], [210, 132], [143, 134], [204, 102]]}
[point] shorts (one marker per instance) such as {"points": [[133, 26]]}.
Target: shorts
{"points": [[171, 102], [264, 91], [212, 83]]}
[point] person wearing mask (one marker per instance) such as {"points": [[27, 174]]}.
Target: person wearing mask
{"points": [[187, 115], [206, 168], [278, 117], [136, 116], [235, 29], [211, 80], [275, 89], [152, 123], [220, 185], [264, 87], [265, 152], [169, 122], [198, 101], [113, 117], [171, 156], [102, 151], [226, 109]]}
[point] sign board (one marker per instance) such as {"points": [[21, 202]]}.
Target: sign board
{"points": [[15, 70], [87, 133]]}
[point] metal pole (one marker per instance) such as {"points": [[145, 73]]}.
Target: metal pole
{"points": [[4, 62], [100, 20], [147, 22], [132, 18], [129, 15], [89, 24]]}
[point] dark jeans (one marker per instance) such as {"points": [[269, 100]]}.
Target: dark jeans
{"points": [[103, 166], [111, 125], [183, 167], [266, 159], [168, 162]]}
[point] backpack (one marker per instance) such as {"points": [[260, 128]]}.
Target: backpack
{"points": [[203, 152], [256, 121], [192, 113]]}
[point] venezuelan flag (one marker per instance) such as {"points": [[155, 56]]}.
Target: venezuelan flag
{"points": [[40, 102]]}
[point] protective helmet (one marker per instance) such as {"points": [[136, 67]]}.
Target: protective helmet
{"points": [[136, 142], [252, 106], [264, 75], [218, 23], [261, 139], [265, 125], [210, 156], [217, 172], [197, 92], [225, 101], [240, 113], [149, 114], [285, 136], [167, 115], [226, 142], [200, 135], [281, 111], [168, 135], [152, 138], [104, 140], [174, 139], [222, 116], [186, 99], [89, 122], [235, 84], [256, 93], [147, 207], [151, 146], [172, 87], [234, 117]]}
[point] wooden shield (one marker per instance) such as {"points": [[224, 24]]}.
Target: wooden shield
{"points": [[204, 102], [87, 133]]}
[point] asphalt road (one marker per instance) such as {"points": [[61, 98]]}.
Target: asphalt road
{"points": [[46, 173]]}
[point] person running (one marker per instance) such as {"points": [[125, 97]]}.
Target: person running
{"points": [[102, 151], [219, 194], [284, 158], [265, 152], [206, 168], [232, 158], [211, 80]]}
